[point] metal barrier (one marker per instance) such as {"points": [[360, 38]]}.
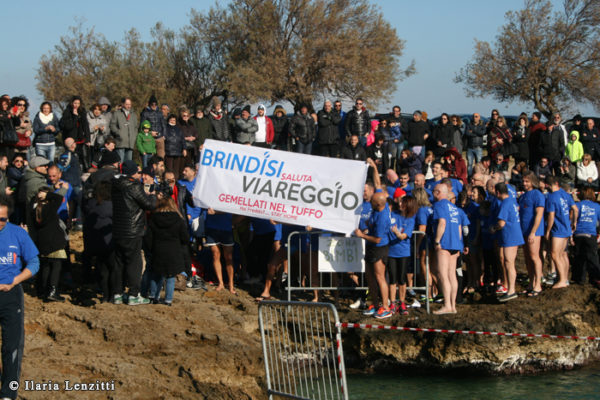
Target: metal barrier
{"points": [[302, 256], [302, 349]]}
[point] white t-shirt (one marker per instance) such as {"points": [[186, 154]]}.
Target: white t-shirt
{"points": [[261, 134]]}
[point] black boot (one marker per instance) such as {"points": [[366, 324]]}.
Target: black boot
{"points": [[53, 295]]}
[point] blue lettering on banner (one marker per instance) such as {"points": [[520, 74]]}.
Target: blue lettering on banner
{"points": [[243, 163]]}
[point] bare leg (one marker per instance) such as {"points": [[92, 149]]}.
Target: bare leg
{"points": [[393, 290], [379, 268], [274, 264], [510, 253], [443, 261], [228, 253], [532, 251], [216, 253], [372, 283], [453, 280], [558, 255]]}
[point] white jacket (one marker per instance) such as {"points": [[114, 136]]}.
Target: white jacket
{"points": [[585, 172]]}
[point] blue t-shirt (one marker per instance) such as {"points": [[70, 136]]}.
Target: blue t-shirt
{"points": [[528, 203], [63, 211], [219, 221], [511, 235], [589, 217], [430, 184], [401, 248], [365, 214], [560, 202], [452, 237], [512, 192], [464, 219], [379, 226], [457, 186], [16, 249], [278, 233]]}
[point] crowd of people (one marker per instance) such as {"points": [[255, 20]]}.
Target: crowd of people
{"points": [[125, 179]]}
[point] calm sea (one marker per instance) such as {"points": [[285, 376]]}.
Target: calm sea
{"points": [[577, 384]]}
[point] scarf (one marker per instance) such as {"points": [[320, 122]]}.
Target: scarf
{"points": [[46, 119]]}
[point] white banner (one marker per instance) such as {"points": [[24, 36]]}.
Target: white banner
{"points": [[341, 254], [291, 188]]}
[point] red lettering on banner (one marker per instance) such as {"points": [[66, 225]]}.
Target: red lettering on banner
{"points": [[305, 211], [296, 177], [279, 207]]}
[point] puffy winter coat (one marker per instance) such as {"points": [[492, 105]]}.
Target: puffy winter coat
{"points": [[47, 233], [302, 127], [166, 237], [590, 139], [245, 130], [42, 135], [174, 141], [280, 128], [130, 203], [354, 153], [203, 130], [552, 144], [97, 227], [220, 126], [328, 126], [574, 149], [124, 128]]}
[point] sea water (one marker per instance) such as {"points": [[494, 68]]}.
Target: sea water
{"points": [[581, 383]]}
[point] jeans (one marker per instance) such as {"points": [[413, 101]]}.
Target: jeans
{"points": [[76, 200], [125, 154], [156, 283], [46, 151], [473, 156], [13, 338], [145, 159], [396, 148], [303, 148]]}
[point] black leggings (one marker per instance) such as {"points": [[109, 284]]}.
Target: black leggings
{"points": [[397, 270], [49, 274]]}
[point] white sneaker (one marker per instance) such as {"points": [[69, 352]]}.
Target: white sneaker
{"points": [[415, 304], [357, 304]]}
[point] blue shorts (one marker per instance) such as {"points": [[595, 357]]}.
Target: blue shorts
{"points": [[215, 237]]}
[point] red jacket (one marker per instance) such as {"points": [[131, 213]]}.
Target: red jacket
{"points": [[458, 167], [270, 129]]}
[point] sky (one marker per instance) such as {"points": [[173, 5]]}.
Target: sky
{"points": [[439, 34]]}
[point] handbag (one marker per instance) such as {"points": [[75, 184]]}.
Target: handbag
{"points": [[23, 141]]}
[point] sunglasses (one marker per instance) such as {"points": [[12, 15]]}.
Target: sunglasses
{"points": [[170, 180], [21, 104], [3, 219], [359, 104]]}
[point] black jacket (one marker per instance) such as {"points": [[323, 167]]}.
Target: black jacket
{"points": [[552, 144], [328, 126], [380, 153], [474, 134], [416, 132], [354, 153], [443, 134], [280, 126], [302, 127], [356, 123], [156, 119], [47, 233], [174, 141], [166, 237], [520, 138], [220, 126], [75, 126], [98, 227], [590, 139], [129, 205]]}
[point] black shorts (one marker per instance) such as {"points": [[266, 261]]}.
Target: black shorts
{"points": [[215, 237], [397, 268], [376, 253]]}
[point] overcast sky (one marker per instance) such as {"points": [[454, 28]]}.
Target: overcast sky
{"points": [[439, 36]]}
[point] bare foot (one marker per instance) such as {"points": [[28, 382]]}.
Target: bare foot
{"points": [[219, 288], [443, 311], [315, 300], [560, 285], [232, 291]]}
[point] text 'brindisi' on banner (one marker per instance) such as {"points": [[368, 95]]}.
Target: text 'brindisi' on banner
{"points": [[290, 188]]}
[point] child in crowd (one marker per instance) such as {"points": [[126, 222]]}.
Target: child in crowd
{"points": [[145, 143]]}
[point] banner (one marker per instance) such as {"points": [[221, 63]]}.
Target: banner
{"points": [[291, 188], [341, 254]]}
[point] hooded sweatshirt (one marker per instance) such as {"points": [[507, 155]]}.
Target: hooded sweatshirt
{"points": [[574, 149]]}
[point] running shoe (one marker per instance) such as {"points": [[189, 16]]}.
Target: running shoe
{"points": [[507, 297], [402, 309], [137, 300], [383, 313], [394, 308], [415, 304], [370, 310], [117, 299], [501, 290], [412, 293]]}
